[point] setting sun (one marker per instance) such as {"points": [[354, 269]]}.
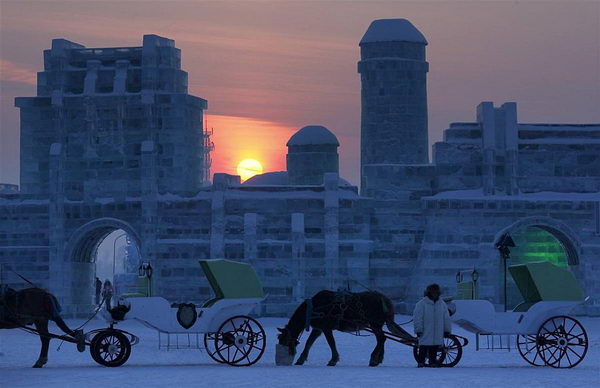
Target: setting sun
{"points": [[247, 168]]}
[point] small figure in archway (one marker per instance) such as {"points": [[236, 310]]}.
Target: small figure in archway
{"points": [[98, 290], [107, 293]]}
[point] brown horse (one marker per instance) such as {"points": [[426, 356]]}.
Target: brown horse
{"points": [[348, 312], [34, 306]]}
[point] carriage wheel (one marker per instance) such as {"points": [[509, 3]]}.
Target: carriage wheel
{"points": [[210, 347], [527, 346], [110, 348], [240, 341], [449, 355], [451, 352], [562, 342]]}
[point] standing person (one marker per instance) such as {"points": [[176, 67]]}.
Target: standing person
{"points": [[107, 293], [98, 290], [432, 323]]}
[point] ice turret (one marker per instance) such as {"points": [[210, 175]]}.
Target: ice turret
{"points": [[312, 152], [393, 73]]}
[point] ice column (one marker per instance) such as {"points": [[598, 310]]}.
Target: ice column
{"points": [[58, 274], [149, 206], [250, 236], [511, 143], [120, 80], [298, 260], [331, 223], [485, 116], [89, 85]]}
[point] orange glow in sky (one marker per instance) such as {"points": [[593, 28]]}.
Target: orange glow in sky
{"points": [[268, 68], [239, 138], [247, 168]]}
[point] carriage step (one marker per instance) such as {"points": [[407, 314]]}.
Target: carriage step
{"points": [[493, 342], [178, 341]]}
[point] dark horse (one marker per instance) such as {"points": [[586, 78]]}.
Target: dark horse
{"points": [[34, 306], [344, 311]]}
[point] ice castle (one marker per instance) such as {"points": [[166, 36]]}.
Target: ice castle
{"points": [[113, 140]]}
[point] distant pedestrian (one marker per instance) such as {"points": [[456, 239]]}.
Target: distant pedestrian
{"points": [[432, 323], [107, 293], [98, 290]]}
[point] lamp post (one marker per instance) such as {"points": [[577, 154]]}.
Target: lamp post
{"points": [[146, 270], [474, 277], [115, 254], [503, 246]]}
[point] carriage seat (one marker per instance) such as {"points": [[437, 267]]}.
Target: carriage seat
{"points": [[523, 307]]}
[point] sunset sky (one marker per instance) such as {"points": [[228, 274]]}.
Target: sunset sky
{"points": [[268, 68]]}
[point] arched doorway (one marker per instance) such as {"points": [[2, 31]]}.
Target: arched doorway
{"points": [[107, 249], [117, 259], [538, 239]]}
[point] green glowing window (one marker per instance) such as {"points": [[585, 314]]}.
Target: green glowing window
{"points": [[534, 244]]}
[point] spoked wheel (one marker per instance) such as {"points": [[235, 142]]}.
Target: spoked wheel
{"points": [[562, 342], [110, 348], [527, 346], [449, 355], [210, 347], [240, 341]]}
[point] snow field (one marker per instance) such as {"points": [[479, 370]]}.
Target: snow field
{"points": [[150, 367]]}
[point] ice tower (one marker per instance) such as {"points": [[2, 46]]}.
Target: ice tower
{"points": [[393, 73]]}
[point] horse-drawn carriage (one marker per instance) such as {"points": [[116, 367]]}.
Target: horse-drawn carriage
{"points": [[545, 333], [230, 335], [354, 313]]}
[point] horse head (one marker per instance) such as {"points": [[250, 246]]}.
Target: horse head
{"points": [[286, 339]]}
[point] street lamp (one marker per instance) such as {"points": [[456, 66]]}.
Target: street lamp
{"points": [[146, 270], [115, 254], [474, 277], [503, 246]]}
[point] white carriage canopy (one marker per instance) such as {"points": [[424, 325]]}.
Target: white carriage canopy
{"points": [[544, 281], [231, 280]]}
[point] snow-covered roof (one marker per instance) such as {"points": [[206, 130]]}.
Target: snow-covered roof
{"points": [[539, 196], [313, 134], [278, 178], [559, 127], [392, 30]]}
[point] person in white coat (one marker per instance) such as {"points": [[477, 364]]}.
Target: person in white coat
{"points": [[431, 323]]}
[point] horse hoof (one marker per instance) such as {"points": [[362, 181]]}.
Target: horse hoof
{"points": [[299, 362], [331, 363], [373, 363]]}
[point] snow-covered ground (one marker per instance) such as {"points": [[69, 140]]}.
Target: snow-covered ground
{"points": [[150, 367]]}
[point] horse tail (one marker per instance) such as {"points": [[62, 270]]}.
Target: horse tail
{"points": [[55, 310], [397, 330], [391, 324]]}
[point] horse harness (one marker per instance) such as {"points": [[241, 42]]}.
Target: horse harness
{"points": [[343, 301], [9, 300]]}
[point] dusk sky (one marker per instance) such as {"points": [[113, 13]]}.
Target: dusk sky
{"points": [[269, 68]]}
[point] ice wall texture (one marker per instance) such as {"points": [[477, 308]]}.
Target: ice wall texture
{"points": [[393, 72], [504, 157], [100, 104], [97, 159]]}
